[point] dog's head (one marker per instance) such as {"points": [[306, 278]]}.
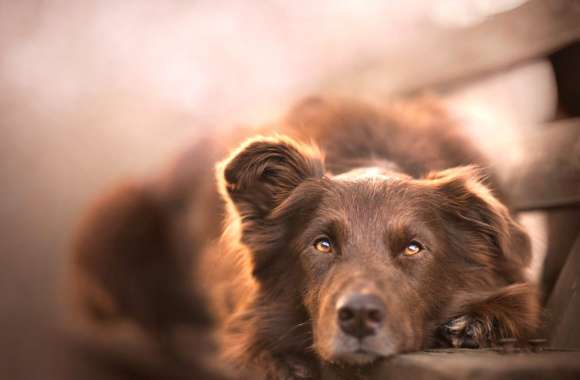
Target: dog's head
{"points": [[375, 257]]}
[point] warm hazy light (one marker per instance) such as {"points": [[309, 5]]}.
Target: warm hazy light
{"points": [[98, 91]]}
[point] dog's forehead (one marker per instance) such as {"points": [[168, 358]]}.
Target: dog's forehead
{"points": [[371, 174], [370, 188]]}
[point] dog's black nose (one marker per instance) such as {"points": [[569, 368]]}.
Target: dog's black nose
{"points": [[360, 315]]}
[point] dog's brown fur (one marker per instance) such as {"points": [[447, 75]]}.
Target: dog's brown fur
{"points": [[372, 179]]}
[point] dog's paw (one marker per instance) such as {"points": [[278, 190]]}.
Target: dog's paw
{"points": [[467, 332]]}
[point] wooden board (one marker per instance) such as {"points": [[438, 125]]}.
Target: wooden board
{"points": [[480, 364], [438, 57], [563, 308], [549, 174]]}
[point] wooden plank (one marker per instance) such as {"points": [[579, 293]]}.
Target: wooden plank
{"points": [[562, 231], [438, 57], [548, 175], [479, 364], [563, 309]]}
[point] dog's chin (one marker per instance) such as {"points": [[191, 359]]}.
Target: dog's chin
{"points": [[357, 358], [358, 354]]}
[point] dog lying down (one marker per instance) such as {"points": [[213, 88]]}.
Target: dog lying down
{"points": [[343, 235]]}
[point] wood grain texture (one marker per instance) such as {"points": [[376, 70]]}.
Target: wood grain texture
{"points": [[473, 365]]}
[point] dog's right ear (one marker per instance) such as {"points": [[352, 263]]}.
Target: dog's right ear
{"points": [[263, 172], [471, 203]]}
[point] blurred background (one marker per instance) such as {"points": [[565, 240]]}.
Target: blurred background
{"points": [[96, 91]]}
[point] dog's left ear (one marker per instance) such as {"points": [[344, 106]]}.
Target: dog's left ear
{"points": [[263, 172], [470, 202]]}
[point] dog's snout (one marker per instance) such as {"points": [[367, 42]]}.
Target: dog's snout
{"points": [[360, 315]]}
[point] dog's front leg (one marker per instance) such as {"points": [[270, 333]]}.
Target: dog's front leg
{"points": [[482, 320], [468, 331]]}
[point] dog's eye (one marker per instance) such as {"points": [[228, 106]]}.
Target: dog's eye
{"points": [[323, 245], [413, 248]]}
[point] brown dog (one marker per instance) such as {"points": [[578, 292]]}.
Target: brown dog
{"points": [[351, 235]]}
